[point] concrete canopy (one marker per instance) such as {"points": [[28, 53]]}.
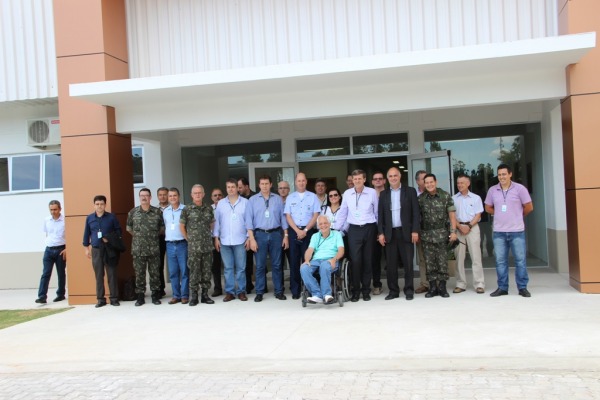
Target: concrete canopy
{"points": [[525, 70]]}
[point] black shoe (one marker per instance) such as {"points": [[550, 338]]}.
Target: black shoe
{"points": [[258, 298], [366, 297], [433, 290], [41, 301], [355, 297], [280, 296], [295, 296], [194, 301], [410, 296], [524, 292], [205, 299], [217, 292], [162, 293], [499, 292], [156, 301], [115, 303], [391, 296], [58, 298], [100, 304], [140, 300]]}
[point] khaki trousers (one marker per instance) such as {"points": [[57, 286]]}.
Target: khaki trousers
{"points": [[472, 241]]}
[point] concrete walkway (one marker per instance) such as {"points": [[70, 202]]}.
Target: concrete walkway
{"points": [[554, 333]]}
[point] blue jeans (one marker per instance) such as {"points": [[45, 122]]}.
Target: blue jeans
{"points": [[325, 271], [234, 271], [515, 241], [51, 257], [179, 274], [268, 243]]}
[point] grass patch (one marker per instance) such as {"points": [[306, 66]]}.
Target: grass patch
{"points": [[14, 317]]}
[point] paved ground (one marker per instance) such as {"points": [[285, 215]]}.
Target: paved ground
{"points": [[469, 346]]}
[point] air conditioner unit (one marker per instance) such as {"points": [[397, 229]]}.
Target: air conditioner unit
{"points": [[43, 132]]}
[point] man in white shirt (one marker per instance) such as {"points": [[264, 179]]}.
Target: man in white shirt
{"points": [[55, 253]]}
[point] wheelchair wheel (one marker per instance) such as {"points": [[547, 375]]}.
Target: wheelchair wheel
{"points": [[346, 278]]}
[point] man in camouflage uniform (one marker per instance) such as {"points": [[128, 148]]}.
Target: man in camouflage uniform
{"points": [[195, 223], [438, 216], [145, 223]]}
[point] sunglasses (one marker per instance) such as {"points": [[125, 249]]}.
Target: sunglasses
{"points": [[334, 195]]}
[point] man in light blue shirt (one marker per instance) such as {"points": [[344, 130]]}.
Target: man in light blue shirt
{"points": [[325, 250], [268, 234], [231, 239], [177, 249], [301, 210]]}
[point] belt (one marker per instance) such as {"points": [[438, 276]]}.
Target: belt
{"points": [[362, 226], [268, 230], [62, 246], [398, 228], [175, 241]]}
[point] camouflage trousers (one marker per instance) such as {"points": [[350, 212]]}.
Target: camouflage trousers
{"points": [[140, 263], [200, 265], [436, 259]]}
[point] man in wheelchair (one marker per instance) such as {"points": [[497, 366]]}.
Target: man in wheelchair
{"points": [[325, 250]]}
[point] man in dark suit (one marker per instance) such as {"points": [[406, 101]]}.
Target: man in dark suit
{"points": [[398, 226]]}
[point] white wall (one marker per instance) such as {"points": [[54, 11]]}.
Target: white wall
{"points": [[181, 36]]}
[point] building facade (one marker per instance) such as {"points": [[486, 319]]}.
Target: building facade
{"points": [[198, 91]]}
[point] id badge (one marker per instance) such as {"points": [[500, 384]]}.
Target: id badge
{"points": [[503, 207], [267, 214], [172, 226], [234, 217], [99, 235], [356, 214]]}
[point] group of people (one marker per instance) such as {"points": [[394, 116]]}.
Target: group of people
{"points": [[314, 230]]}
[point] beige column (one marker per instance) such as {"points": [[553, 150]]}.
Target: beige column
{"points": [[91, 46], [581, 142]]}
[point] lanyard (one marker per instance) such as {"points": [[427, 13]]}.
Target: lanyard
{"points": [[357, 197], [322, 241], [267, 202], [505, 194], [99, 220]]}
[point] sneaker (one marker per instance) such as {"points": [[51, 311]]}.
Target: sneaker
{"points": [[328, 299], [314, 300]]}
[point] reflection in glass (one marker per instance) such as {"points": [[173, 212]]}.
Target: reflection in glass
{"points": [[4, 174], [26, 173], [138, 164], [315, 148], [52, 171], [374, 144]]}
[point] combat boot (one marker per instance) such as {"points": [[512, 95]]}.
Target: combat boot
{"points": [[156, 298], [433, 290], [194, 299], [442, 289], [140, 300], [204, 297]]}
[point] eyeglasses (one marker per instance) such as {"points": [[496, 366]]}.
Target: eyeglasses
{"points": [[334, 195], [283, 188], [217, 195], [377, 179]]}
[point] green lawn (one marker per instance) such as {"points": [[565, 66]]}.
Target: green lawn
{"points": [[14, 317]]}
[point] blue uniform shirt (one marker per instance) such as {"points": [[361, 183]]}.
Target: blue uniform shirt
{"points": [[171, 218], [265, 214], [302, 208]]}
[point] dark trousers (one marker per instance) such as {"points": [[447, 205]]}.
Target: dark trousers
{"points": [[249, 270], [51, 257], [161, 272], [297, 250], [216, 270], [111, 273], [399, 250], [377, 251], [361, 240]]}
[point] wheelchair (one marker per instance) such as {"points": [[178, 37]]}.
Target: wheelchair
{"points": [[340, 281]]}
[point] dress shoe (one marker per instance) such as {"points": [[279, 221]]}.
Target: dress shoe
{"points": [[391, 296], [355, 297], [228, 297], [194, 301], [140, 300], [295, 296], [410, 296], [258, 298], [480, 290], [217, 293], [242, 297], [174, 301], [524, 292], [184, 300], [280, 296], [58, 298], [204, 297], [458, 290], [115, 303], [100, 304], [377, 291], [40, 301], [498, 292], [366, 297], [421, 289]]}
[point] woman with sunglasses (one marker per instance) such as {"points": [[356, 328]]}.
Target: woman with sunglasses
{"points": [[335, 202]]}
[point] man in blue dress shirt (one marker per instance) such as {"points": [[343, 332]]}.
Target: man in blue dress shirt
{"points": [[267, 233]]}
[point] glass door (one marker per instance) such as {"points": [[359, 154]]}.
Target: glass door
{"points": [[278, 171], [438, 163]]}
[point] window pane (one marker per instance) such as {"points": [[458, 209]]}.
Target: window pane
{"points": [[4, 174], [52, 171], [374, 144], [26, 173], [138, 164], [315, 148]]}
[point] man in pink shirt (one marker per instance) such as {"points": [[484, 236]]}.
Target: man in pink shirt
{"points": [[509, 202]]}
